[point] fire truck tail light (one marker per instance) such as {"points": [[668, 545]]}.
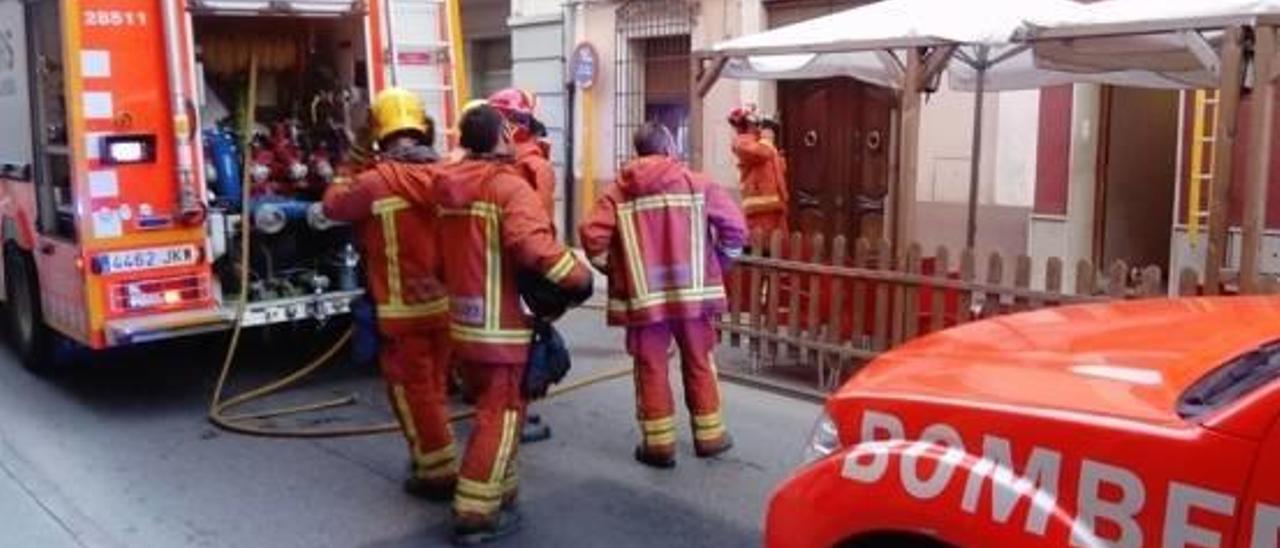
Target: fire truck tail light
{"points": [[160, 293], [128, 149]]}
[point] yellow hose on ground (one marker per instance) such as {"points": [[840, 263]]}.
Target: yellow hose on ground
{"points": [[218, 408]]}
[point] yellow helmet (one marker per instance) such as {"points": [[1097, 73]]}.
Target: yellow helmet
{"points": [[398, 109]]}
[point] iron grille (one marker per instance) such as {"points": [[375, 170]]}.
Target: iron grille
{"points": [[652, 34]]}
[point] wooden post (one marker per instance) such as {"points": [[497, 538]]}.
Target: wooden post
{"points": [[942, 267], [813, 327], [880, 333], [1188, 282], [991, 305], [835, 325], [861, 332], [904, 199], [774, 291], [975, 154], [1232, 79], [1053, 278], [695, 112], [1117, 287], [699, 86], [968, 272], [755, 315], [1262, 121], [794, 283]]}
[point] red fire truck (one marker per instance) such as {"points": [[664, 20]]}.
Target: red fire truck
{"points": [[126, 143]]}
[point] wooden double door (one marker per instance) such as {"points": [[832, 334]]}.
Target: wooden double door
{"points": [[838, 140]]}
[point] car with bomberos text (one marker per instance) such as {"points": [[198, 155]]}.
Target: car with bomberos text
{"points": [[1128, 424]]}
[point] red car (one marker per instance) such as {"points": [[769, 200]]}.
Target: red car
{"points": [[1141, 423]]}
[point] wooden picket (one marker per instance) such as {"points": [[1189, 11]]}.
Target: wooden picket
{"points": [[832, 304]]}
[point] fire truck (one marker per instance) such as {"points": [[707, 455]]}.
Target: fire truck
{"points": [[126, 143]]}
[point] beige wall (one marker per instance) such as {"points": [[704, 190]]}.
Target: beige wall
{"points": [[715, 21]]}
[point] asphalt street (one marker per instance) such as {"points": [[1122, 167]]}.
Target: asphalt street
{"points": [[117, 453]]}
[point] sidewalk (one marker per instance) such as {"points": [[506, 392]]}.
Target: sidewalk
{"points": [[24, 521]]}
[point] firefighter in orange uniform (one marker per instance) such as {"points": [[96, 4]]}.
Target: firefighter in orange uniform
{"points": [[532, 155], [496, 228], [764, 187], [532, 152], [403, 266], [664, 236]]}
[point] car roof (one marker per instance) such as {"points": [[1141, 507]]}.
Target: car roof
{"points": [[1131, 359]]}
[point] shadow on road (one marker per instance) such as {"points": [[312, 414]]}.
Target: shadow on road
{"points": [[180, 375], [602, 512]]}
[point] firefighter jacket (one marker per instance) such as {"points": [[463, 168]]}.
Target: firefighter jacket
{"points": [[763, 178], [532, 158], [661, 233], [492, 226], [401, 256]]}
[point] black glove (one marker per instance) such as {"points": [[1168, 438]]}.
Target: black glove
{"points": [[545, 299], [548, 361]]}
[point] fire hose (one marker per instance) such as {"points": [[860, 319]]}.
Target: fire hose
{"points": [[219, 408]]}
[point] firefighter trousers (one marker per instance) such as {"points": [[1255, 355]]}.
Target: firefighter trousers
{"points": [[415, 364], [766, 223], [488, 477], [648, 345]]}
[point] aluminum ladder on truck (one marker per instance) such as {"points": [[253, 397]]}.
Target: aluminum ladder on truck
{"points": [[425, 54]]}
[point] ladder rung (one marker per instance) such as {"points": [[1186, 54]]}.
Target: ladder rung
{"points": [[1204, 176], [1211, 101]]}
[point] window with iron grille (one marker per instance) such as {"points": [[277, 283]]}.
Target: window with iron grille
{"points": [[652, 62]]}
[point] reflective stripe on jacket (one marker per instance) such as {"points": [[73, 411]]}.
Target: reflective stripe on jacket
{"points": [[401, 260], [492, 224], [660, 234]]}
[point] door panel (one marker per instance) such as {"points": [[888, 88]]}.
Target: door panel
{"points": [[836, 136], [873, 141], [806, 108]]}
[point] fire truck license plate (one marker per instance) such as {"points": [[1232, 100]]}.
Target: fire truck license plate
{"points": [[147, 259]]}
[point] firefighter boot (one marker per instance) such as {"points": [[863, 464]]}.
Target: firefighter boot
{"points": [[713, 449], [467, 532], [534, 430], [655, 459]]}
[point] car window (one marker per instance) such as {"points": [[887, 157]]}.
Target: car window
{"points": [[1231, 381]]}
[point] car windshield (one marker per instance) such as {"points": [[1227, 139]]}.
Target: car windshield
{"points": [[1228, 383]]}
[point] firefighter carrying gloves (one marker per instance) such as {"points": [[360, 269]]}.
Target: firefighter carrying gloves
{"points": [[403, 268], [764, 187], [496, 227], [663, 235], [532, 155]]}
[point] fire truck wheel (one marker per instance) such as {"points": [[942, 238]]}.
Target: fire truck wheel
{"points": [[28, 334]]}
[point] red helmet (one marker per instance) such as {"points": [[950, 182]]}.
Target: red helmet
{"points": [[743, 116], [513, 102]]}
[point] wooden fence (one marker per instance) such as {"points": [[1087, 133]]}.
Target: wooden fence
{"points": [[834, 306]]}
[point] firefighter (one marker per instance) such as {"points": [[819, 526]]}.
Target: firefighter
{"points": [[664, 235], [764, 188], [532, 155], [496, 228], [403, 267], [532, 151]]}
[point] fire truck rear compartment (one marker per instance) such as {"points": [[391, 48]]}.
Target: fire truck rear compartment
{"points": [[310, 120]]}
